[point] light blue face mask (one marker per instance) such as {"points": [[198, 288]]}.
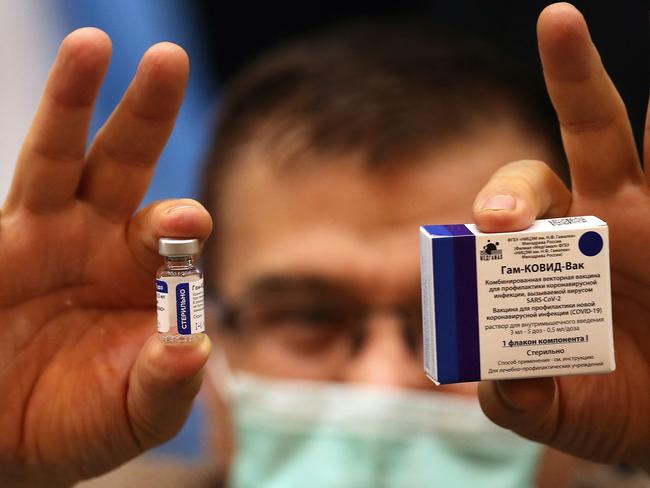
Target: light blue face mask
{"points": [[323, 435]]}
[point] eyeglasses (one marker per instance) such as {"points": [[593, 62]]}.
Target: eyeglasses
{"points": [[313, 322]]}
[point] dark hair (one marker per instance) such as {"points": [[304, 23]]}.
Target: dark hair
{"points": [[383, 89]]}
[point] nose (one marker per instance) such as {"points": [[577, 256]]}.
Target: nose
{"points": [[383, 357]]}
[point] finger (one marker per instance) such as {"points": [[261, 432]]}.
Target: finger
{"points": [[162, 385], [170, 218], [122, 157], [528, 407], [517, 194], [52, 157], [595, 127]]}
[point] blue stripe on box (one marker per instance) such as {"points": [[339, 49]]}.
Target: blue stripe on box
{"points": [[445, 306], [456, 304], [438, 230], [469, 364], [458, 230]]}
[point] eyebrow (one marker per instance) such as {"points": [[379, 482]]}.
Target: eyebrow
{"points": [[278, 284]]}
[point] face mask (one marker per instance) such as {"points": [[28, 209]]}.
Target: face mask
{"points": [[308, 434]]}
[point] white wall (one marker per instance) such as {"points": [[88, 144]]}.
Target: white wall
{"points": [[29, 37]]}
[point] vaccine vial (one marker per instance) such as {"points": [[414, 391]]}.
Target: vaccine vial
{"points": [[179, 291]]}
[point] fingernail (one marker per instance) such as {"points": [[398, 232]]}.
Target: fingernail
{"points": [[178, 208], [499, 202]]}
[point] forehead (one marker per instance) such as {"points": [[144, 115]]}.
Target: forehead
{"points": [[343, 221]]}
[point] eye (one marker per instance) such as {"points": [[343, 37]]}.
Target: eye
{"points": [[412, 327], [413, 338], [309, 329], [312, 315]]}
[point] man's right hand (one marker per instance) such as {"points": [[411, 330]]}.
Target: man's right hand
{"points": [[84, 382], [603, 418]]}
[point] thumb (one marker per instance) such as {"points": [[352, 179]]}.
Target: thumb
{"points": [[529, 407], [162, 385]]}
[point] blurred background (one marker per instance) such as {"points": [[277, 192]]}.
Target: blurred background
{"points": [[221, 38]]}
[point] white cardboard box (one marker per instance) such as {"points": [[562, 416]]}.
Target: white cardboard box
{"points": [[518, 304]]}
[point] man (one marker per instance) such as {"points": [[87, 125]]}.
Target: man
{"points": [[325, 151], [86, 390]]}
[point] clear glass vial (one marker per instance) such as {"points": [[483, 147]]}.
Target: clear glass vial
{"points": [[179, 291]]}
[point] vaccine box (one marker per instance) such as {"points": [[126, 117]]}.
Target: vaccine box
{"points": [[516, 304]]}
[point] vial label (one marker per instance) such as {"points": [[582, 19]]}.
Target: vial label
{"points": [[162, 314], [180, 305]]}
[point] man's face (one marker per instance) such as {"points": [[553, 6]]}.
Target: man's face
{"points": [[321, 262]]}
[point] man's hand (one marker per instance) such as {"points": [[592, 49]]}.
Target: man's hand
{"points": [[602, 418], [84, 382]]}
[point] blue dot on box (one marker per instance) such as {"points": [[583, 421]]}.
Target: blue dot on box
{"points": [[590, 243]]}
